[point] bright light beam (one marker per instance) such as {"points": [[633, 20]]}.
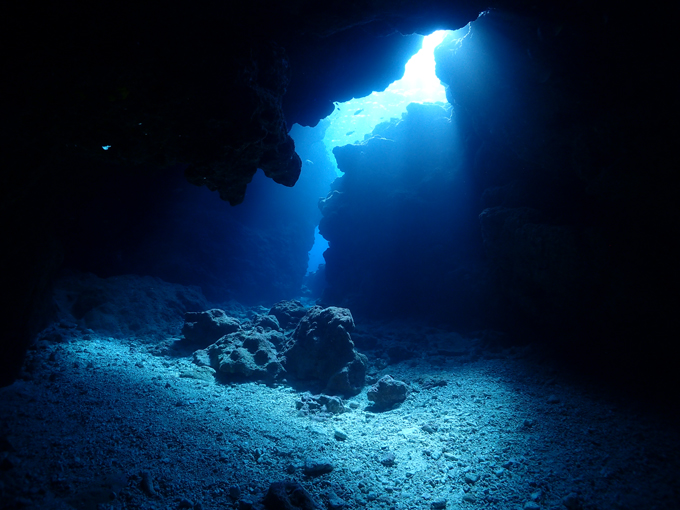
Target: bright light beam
{"points": [[420, 84], [352, 120]]}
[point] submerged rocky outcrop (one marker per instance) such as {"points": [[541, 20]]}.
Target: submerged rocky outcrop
{"points": [[316, 352]]}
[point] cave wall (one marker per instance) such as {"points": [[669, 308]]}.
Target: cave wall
{"points": [[566, 114]]}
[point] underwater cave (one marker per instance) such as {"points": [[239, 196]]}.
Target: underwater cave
{"points": [[344, 255]]}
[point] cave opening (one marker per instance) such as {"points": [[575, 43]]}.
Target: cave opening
{"points": [[354, 121]]}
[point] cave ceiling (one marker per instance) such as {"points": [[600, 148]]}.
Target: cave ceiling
{"points": [[204, 85]]}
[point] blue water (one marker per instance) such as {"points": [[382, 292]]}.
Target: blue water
{"points": [[316, 253]]}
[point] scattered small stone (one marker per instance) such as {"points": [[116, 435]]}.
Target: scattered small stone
{"points": [[289, 495], [428, 383], [552, 399], [438, 504], [531, 505], [388, 459], [200, 374], [469, 498], [185, 503], [320, 404], [387, 393], [235, 492], [317, 467], [471, 478], [340, 434]]}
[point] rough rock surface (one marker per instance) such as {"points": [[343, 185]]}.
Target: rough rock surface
{"points": [[288, 313], [204, 328], [321, 350], [317, 466], [561, 264], [255, 253], [320, 404], [580, 105], [145, 94], [387, 393], [247, 355], [267, 322]]}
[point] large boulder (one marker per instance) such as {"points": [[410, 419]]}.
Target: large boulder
{"points": [[266, 322], [321, 351]]}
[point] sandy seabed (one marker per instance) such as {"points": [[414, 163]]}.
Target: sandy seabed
{"points": [[107, 424]]}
